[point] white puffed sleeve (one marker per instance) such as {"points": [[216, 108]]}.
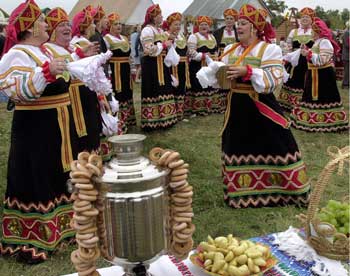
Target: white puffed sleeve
{"points": [[270, 74], [225, 58], [192, 48], [325, 55], [289, 39], [147, 40], [20, 78]]}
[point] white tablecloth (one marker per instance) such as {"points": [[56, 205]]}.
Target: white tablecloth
{"points": [[165, 265]]}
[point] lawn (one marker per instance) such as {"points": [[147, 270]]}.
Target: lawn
{"points": [[199, 144]]}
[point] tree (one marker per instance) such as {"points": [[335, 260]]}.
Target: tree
{"points": [[277, 8]]}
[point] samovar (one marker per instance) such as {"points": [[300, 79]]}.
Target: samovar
{"points": [[136, 206]]}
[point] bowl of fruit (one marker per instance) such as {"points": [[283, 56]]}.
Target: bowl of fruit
{"points": [[228, 256]]}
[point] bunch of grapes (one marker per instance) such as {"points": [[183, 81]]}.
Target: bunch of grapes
{"points": [[336, 213]]}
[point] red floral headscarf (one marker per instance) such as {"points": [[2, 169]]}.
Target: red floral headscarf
{"points": [[323, 31], [151, 13], [81, 21], [55, 17]]}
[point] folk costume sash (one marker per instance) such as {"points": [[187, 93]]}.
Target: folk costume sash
{"points": [[78, 114]]}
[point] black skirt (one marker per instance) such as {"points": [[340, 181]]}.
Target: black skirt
{"points": [[262, 164], [37, 206], [158, 108], [324, 114]]}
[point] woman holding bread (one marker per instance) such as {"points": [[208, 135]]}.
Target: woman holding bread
{"points": [[262, 164]]}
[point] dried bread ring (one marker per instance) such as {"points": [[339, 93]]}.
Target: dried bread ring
{"points": [[184, 194], [155, 154], [82, 209], [93, 192], [87, 197], [83, 228], [165, 155], [182, 219], [85, 245], [179, 226], [186, 203], [74, 196], [179, 240], [190, 229], [95, 160], [177, 184], [81, 203], [84, 236], [80, 218], [74, 257], [171, 158], [80, 174], [178, 172], [91, 229], [176, 164], [182, 208], [81, 180], [91, 240], [177, 199], [86, 254], [185, 214], [73, 165], [186, 188], [84, 186], [94, 169], [184, 166], [183, 236], [178, 178], [90, 213], [87, 272], [83, 156], [183, 248]]}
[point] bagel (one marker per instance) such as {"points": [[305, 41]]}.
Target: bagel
{"points": [[165, 155], [171, 158], [176, 164], [155, 154], [179, 226], [177, 184], [95, 160], [177, 172]]}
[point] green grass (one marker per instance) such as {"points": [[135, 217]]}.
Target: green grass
{"points": [[199, 144]]}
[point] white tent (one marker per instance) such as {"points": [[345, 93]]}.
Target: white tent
{"points": [[132, 12]]}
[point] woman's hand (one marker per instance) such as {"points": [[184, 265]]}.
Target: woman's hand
{"points": [[91, 49], [235, 72], [57, 66]]}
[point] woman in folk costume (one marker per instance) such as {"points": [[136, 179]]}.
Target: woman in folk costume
{"points": [[157, 94], [321, 108], [202, 45], [181, 71], [227, 34], [298, 38], [86, 113], [83, 28], [120, 67], [37, 206], [262, 164]]}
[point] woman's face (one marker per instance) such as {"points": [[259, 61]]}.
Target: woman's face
{"points": [[305, 21], [229, 21], [63, 33], [175, 27], [244, 30], [116, 28], [158, 20], [203, 28], [41, 28], [90, 31], [104, 23]]}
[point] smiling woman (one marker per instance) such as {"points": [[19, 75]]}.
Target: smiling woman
{"points": [[37, 205]]}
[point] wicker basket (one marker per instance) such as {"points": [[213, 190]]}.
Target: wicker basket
{"points": [[322, 236], [223, 81]]}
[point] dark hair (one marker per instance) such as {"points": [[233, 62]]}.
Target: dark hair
{"points": [[23, 35]]}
